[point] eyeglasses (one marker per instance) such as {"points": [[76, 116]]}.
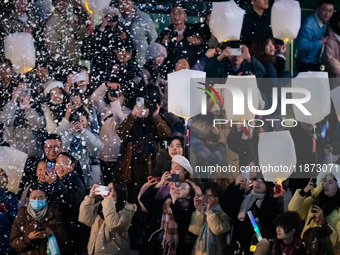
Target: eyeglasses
{"points": [[48, 148]]}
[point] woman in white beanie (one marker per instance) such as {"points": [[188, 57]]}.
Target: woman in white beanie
{"points": [[320, 204], [55, 109]]}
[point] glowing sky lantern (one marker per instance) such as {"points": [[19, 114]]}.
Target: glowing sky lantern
{"points": [[184, 97], [319, 105], [19, 48], [335, 94], [13, 162], [276, 149], [236, 97], [226, 21], [96, 5], [286, 19]]}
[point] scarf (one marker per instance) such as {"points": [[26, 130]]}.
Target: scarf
{"points": [[20, 119], [247, 204], [58, 111], [170, 230], [206, 241], [37, 215], [280, 247]]}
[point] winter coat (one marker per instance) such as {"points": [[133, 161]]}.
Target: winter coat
{"points": [[219, 224], [108, 235], [63, 39], [304, 205], [100, 49], [231, 201], [8, 211], [146, 149], [51, 126], [223, 68], [70, 192], [143, 32], [22, 137], [331, 56], [155, 210], [25, 224], [85, 147], [308, 41], [254, 26], [111, 116]]}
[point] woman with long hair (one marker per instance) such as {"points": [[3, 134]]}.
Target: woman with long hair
{"points": [[109, 219], [320, 204]]}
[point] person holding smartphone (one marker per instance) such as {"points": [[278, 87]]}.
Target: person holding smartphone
{"points": [[323, 206], [36, 223], [21, 121], [109, 217]]}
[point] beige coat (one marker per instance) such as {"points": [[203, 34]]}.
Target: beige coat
{"points": [[108, 235], [219, 224]]}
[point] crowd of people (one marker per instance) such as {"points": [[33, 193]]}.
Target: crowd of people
{"points": [[109, 168]]}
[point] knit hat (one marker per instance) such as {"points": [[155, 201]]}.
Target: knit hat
{"points": [[155, 49], [52, 85], [184, 163], [325, 170], [111, 10]]}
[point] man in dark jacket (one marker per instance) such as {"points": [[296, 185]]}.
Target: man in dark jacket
{"points": [[256, 22], [225, 64]]}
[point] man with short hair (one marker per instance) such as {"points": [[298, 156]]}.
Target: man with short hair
{"points": [[256, 22], [311, 37], [52, 148], [141, 28]]}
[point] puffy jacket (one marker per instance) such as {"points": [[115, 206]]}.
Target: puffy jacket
{"points": [[108, 235], [303, 205], [308, 41]]}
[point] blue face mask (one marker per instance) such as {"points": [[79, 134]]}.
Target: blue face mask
{"points": [[37, 204]]}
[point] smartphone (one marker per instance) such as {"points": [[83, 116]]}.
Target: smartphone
{"points": [[174, 178], [140, 101], [314, 181], [50, 167], [204, 199], [102, 190], [235, 51], [79, 77]]}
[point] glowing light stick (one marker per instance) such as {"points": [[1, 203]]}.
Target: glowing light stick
{"points": [[256, 228]]}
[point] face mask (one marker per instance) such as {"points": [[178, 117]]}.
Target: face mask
{"points": [[37, 204]]}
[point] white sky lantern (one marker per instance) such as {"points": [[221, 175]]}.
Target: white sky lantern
{"points": [[335, 94], [276, 155], [226, 21], [236, 97], [19, 48], [185, 100], [319, 105], [286, 19], [96, 5], [13, 162]]}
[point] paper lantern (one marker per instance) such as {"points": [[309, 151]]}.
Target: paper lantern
{"points": [[96, 5], [19, 48], [13, 162], [277, 157], [184, 98], [319, 105], [226, 21], [286, 19], [335, 94], [236, 97]]}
